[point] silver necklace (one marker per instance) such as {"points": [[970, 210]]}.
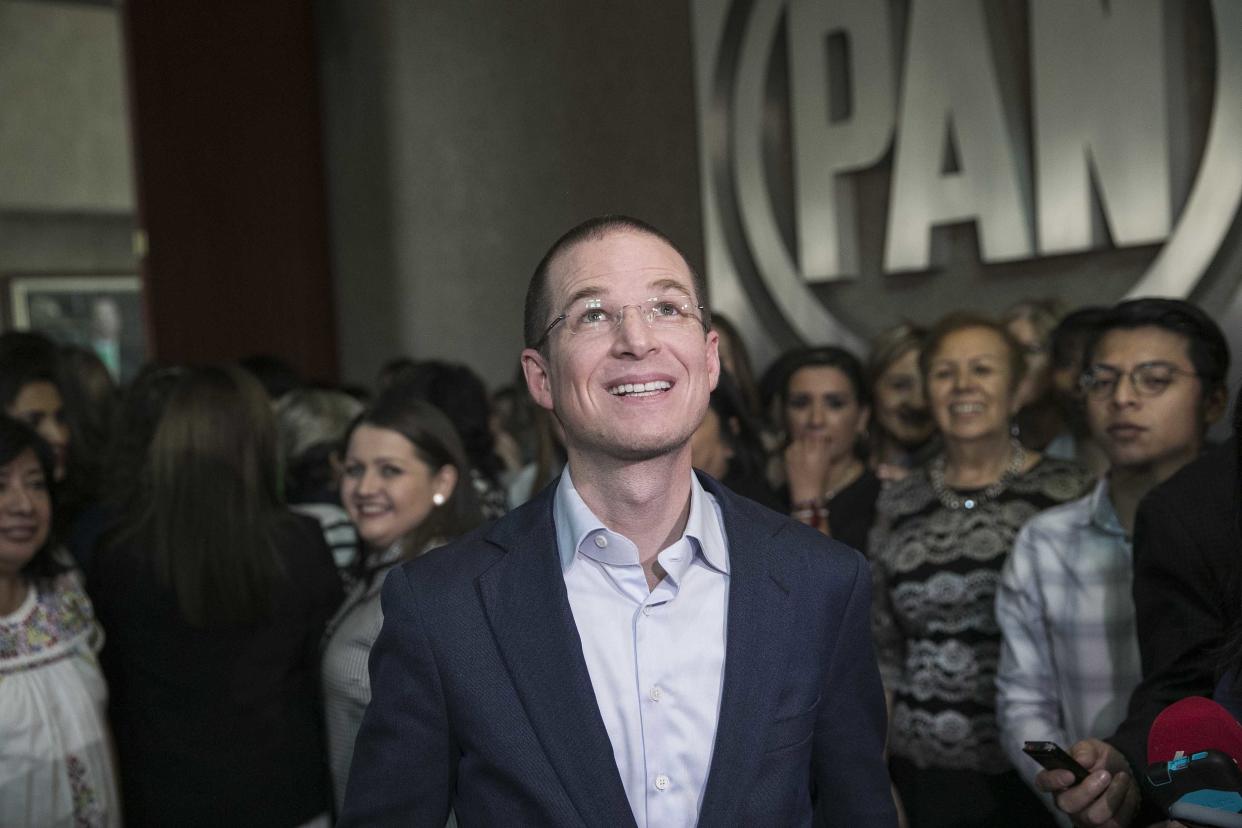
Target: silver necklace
{"points": [[951, 499]]}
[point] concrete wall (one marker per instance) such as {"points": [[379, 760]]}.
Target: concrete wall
{"points": [[64, 139], [463, 138], [66, 192]]}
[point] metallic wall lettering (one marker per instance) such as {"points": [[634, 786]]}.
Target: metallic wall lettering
{"points": [[1054, 127], [950, 87], [1100, 110], [822, 151]]}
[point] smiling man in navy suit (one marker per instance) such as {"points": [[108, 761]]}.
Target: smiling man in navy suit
{"points": [[637, 645]]}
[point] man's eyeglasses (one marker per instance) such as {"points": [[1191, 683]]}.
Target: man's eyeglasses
{"points": [[593, 316], [1148, 379]]}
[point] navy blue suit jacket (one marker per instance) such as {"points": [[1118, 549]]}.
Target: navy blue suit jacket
{"points": [[481, 700]]}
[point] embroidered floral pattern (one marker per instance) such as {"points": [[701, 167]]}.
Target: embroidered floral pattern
{"points": [[87, 812], [60, 621]]}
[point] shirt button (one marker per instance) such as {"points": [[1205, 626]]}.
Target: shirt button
{"points": [[601, 541], [656, 694], [661, 782], [647, 609]]}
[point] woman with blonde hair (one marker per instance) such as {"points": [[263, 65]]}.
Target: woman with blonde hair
{"points": [[941, 537]]}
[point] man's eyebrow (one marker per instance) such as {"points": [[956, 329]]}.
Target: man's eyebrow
{"points": [[588, 292], [670, 284]]}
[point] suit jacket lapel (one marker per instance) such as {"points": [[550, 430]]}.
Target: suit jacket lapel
{"points": [[757, 622], [527, 606]]}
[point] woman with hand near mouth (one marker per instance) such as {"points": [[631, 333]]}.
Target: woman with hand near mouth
{"points": [[55, 759], [406, 485], [828, 485], [941, 537], [902, 431]]}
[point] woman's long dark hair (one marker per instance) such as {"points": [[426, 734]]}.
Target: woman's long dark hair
{"points": [[437, 444], [15, 438], [209, 498]]}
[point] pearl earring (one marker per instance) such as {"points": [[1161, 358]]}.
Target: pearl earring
{"points": [[438, 499]]}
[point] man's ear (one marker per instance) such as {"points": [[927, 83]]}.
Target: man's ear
{"points": [[713, 359], [538, 379], [1214, 406]]}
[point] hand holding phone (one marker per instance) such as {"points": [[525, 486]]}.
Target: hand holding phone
{"points": [[1051, 756]]}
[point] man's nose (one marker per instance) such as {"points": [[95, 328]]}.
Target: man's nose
{"points": [[1123, 392], [634, 335]]}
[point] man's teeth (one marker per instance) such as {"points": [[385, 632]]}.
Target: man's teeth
{"points": [[640, 388]]}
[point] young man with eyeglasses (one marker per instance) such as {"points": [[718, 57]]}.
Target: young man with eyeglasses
{"points": [[1153, 383], [637, 645]]}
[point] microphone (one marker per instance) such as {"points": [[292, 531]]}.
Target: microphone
{"points": [[1193, 749], [1192, 725]]}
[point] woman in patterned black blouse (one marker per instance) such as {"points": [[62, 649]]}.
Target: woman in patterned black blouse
{"points": [[940, 539]]}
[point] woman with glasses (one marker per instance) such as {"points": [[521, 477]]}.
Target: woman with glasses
{"points": [[941, 537]]}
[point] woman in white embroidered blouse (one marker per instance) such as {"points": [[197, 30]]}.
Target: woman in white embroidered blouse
{"points": [[55, 758]]}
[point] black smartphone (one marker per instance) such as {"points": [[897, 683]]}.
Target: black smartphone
{"points": [[1052, 757]]}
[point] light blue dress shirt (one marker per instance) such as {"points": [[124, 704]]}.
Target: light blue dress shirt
{"points": [[655, 656]]}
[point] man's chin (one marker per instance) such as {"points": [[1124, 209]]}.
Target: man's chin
{"points": [[641, 448]]}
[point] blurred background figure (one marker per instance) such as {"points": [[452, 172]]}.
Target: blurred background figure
{"points": [[55, 754], [827, 407], [393, 370], [735, 359], [405, 486], [548, 462], [941, 537], [902, 430], [214, 598], [30, 392], [36, 389], [512, 425], [1030, 323], [275, 374], [310, 425], [1067, 345], [727, 446]]}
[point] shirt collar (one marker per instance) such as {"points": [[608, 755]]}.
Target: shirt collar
{"points": [[1100, 511], [575, 522]]}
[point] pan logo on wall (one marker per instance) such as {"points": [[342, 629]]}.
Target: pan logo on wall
{"points": [[865, 161]]}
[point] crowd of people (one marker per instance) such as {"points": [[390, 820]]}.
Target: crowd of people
{"points": [[191, 565]]}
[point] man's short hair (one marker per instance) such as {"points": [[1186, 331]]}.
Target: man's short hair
{"points": [[538, 310], [1206, 344]]}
